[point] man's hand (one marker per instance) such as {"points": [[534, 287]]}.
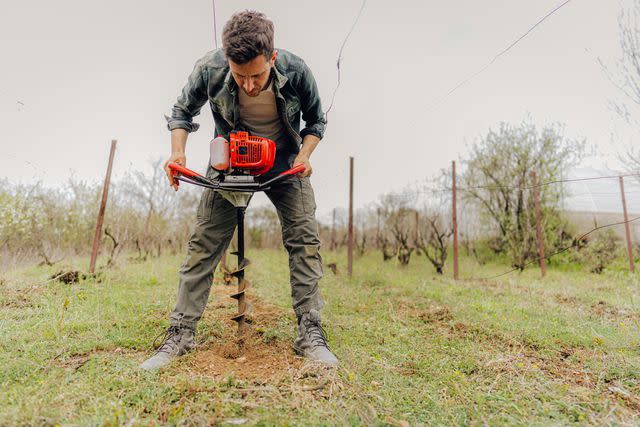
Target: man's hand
{"points": [[178, 144], [179, 158], [302, 158], [309, 144]]}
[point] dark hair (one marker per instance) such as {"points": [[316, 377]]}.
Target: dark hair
{"points": [[246, 35]]}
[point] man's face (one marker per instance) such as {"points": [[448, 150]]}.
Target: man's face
{"points": [[253, 76]]}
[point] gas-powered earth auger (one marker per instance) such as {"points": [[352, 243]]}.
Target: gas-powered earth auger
{"points": [[236, 165]]}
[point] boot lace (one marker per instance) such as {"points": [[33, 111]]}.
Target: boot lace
{"points": [[317, 334], [169, 341]]}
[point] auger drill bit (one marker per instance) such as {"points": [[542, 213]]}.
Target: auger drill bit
{"points": [[227, 276], [243, 283]]}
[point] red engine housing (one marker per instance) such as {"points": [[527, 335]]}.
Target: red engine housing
{"points": [[253, 154]]}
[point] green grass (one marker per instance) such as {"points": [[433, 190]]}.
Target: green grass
{"points": [[414, 347]]}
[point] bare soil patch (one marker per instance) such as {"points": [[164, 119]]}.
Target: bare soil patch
{"points": [[601, 308], [610, 312], [433, 313], [15, 300], [565, 299], [259, 355]]}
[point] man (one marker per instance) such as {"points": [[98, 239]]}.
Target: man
{"points": [[251, 86]]}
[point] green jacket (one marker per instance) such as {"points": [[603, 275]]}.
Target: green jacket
{"points": [[211, 80]]}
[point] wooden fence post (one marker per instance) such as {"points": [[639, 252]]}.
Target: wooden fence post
{"points": [[454, 219], [627, 229], [333, 245], [536, 203], [350, 229], [103, 204]]}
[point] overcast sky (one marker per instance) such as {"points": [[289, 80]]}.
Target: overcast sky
{"points": [[76, 74]]}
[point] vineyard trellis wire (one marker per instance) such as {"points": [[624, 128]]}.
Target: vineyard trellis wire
{"points": [[413, 196]]}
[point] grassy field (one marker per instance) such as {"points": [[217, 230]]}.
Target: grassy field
{"points": [[415, 348]]}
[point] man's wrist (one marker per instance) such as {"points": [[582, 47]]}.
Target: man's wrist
{"points": [[309, 144]]}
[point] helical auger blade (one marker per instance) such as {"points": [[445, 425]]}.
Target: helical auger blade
{"points": [[243, 285]]}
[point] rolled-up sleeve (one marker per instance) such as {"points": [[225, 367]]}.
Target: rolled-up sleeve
{"points": [[193, 97], [311, 106]]}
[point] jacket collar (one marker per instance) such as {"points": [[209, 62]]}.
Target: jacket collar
{"points": [[280, 78]]}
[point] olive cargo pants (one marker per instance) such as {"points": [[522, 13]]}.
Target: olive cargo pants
{"points": [[294, 201]]}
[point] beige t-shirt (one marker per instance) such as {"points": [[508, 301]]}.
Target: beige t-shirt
{"points": [[259, 114]]}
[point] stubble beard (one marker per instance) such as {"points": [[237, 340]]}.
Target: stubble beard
{"points": [[256, 92]]}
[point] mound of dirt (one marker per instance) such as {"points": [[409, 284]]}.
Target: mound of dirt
{"points": [[608, 311], [67, 277], [258, 356], [432, 314]]}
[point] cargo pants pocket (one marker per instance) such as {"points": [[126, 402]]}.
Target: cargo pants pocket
{"points": [[307, 197], [205, 207]]}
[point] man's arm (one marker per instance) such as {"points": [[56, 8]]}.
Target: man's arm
{"points": [[193, 97], [311, 106], [178, 145], [313, 117], [309, 143]]}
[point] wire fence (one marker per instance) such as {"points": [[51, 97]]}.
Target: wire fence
{"points": [[566, 248], [448, 193], [426, 189]]}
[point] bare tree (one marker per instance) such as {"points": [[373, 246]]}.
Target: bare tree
{"points": [[496, 179], [114, 248], [625, 76], [432, 239], [334, 229], [389, 250], [366, 217], [398, 217], [143, 214], [333, 243], [360, 241], [382, 240]]}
